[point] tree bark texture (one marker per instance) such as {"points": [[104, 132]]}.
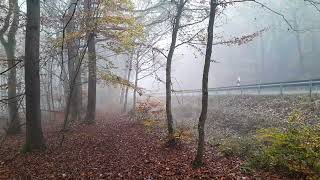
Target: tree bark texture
{"points": [[92, 79], [34, 136]]}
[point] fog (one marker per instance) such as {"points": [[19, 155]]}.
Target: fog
{"points": [[286, 49], [271, 57], [156, 89]]}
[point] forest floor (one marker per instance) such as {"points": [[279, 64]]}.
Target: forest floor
{"points": [[114, 148]]}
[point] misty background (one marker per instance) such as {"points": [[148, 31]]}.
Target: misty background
{"points": [[280, 53], [286, 50]]}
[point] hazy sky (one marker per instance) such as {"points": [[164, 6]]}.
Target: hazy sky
{"points": [[279, 44]]}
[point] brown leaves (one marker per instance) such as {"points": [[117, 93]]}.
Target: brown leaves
{"points": [[114, 148]]}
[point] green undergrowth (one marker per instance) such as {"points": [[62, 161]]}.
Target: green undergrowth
{"points": [[293, 150]]}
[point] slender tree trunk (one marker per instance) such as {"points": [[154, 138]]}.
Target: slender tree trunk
{"points": [[262, 52], [34, 136], [123, 88], [10, 48], [91, 106], [127, 88], [65, 85], [51, 90], [203, 116], [299, 48], [79, 87], [72, 56], [135, 86], [73, 60], [302, 72], [3, 82], [175, 30], [65, 82], [314, 41], [122, 91], [14, 121], [48, 96]]}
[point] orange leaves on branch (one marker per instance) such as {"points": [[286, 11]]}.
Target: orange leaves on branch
{"points": [[108, 78], [241, 40]]}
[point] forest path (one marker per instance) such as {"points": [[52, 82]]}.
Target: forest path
{"points": [[113, 148]]}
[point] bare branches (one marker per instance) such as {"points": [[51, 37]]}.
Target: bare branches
{"points": [[5, 101], [194, 23], [8, 69], [313, 1], [191, 38], [73, 82], [314, 4], [232, 2], [269, 9], [13, 13], [159, 51], [65, 27], [277, 13], [6, 20], [15, 21], [156, 6]]}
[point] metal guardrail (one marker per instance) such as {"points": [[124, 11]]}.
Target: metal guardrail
{"points": [[289, 87]]}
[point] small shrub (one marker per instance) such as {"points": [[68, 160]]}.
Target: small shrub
{"points": [[172, 143], [150, 123], [246, 169], [149, 109], [295, 149], [239, 146], [183, 134]]}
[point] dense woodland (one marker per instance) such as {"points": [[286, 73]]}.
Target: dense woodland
{"points": [[79, 79]]}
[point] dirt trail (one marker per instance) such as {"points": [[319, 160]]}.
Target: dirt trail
{"points": [[113, 148]]}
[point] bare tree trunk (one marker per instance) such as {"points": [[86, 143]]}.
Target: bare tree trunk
{"points": [[51, 90], [262, 52], [300, 55], [314, 41], [34, 136], [14, 121], [48, 96], [203, 116], [74, 106], [65, 85], [135, 86], [175, 30], [123, 88], [79, 86], [122, 91], [91, 106], [10, 48], [127, 88], [73, 58]]}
